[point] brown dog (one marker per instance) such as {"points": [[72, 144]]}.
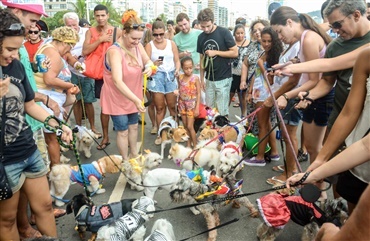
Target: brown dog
{"points": [[225, 134], [172, 136]]}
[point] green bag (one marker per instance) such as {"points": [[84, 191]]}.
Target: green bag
{"points": [[251, 141]]}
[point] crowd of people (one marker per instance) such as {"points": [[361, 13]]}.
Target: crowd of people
{"points": [[189, 64]]}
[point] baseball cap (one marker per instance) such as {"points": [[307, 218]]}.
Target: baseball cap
{"points": [[83, 23], [42, 26], [33, 6]]}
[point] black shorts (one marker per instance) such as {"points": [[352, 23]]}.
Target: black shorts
{"points": [[235, 84], [98, 85], [350, 187], [319, 111]]}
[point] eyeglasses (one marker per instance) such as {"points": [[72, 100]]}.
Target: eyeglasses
{"points": [[71, 45], [15, 29], [158, 34], [33, 32], [136, 26], [338, 24]]}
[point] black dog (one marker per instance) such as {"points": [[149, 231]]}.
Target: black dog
{"points": [[90, 217]]}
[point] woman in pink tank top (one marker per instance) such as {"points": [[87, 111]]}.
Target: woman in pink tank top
{"points": [[121, 94]]}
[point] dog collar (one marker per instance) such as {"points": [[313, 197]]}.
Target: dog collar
{"points": [[179, 162], [237, 149]]}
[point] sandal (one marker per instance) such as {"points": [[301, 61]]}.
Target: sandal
{"points": [[236, 105], [59, 212], [279, 168], [158, 141], [30, 234], [154, 130], [97, 134], [274, 180], [102, 146]]}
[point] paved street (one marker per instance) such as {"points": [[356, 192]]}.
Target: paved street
{"points": [[184, 222]]}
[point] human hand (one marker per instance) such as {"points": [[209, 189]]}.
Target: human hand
{"points": [[73, 90], [53, 105], [67, 135], [106, 38], [327, 231], [148, 71], [158, 62], [282, 102], [47, 62], [4, 86], [139, 105], [197, 66], [203, 86], [211, 53], [176, 92], [243, 85], [294, 179], [249, 98], [80, 67], [282, 69]]}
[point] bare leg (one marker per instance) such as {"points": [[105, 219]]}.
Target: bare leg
{"points": [[8, 215], [191, 131], [53, 148], [160, 107], [132, 139], [105, 125], [231, 97], [263, 117], [90, 113], [122, 143], [77, 111], [23, 224], [37, 191], [242, 102], [151, 110], [171, 103]]}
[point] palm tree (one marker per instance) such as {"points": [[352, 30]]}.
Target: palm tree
{"points": [[80, 8], [114, 16]]}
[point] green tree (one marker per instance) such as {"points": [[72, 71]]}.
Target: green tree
{"points": [[161, 16], [55, 21], [80, 8], [115, 16]]}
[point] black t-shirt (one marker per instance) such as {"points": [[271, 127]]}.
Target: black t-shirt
{"points": [[222, 40], [19, 142]]}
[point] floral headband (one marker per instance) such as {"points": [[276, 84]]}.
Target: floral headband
{"points": [[128, 14]]}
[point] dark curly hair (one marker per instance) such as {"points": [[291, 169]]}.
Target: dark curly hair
{"points": [[273, 55], [6, 20]]}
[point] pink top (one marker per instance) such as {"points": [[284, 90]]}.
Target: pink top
{"points": [[112, 101]]}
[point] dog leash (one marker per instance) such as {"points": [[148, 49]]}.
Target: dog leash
{"points": [[58, 130], [143, 114], [209, 230]]}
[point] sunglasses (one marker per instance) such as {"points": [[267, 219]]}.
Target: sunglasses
{"points": [[33, 32], [136, 26], [15, 29], [158, 34], [338, 24]]}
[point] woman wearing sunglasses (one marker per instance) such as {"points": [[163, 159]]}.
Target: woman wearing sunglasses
{"points": [[126, 62], [24, 166], [34, 41], [56, 82], [163, 52]]}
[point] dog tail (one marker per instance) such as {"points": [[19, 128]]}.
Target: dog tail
{"points": [[59, 172]]}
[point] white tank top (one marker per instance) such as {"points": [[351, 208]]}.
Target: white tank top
{"points": [[168, 63]]}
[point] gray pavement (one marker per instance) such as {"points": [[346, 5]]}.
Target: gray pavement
{"points": [[184, 222]]}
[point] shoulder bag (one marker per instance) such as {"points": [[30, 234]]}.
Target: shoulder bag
{"points": [[5, 189], [95, 60]]}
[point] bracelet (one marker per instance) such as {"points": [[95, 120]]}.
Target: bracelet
{"points": [[47, 101], [286, 97], [303, 178]]}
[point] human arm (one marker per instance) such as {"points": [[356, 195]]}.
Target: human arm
{"points": [[114, 59], [355, 228], [201, 73], [230, 53], [4, 86], [244, 74], [358, 153], [351, 111], [146, 61], [88, 47], [340, 62], [197, 85], [176, 58]]}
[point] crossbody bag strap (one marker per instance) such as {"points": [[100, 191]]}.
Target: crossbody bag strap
{"points": [[114, 34]]}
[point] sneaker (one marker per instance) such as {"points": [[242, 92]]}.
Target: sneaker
{"points": [[275, 158], [254, 162], [302, 157]]}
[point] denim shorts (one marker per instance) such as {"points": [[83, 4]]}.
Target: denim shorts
{"points": [[32, 167], [319, 111], [121, 122], [163, 82], [294, 116], [87, 88]]}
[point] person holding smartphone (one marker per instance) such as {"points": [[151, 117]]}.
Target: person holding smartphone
{"points": [[163, 52]]}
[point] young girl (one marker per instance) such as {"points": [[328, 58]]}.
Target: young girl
{"points": [[259, 93], [189, 98]]}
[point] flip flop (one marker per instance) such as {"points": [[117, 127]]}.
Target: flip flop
{"points": [[274, 180], [30, 234], [98, 135], [236, 105], [59, 212], [102, 146], [278, 168]]}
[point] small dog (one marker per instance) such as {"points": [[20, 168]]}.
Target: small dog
{"points": [[230, 155], [130, 226], [187, 158], [62, 175], [90, 217], [136, 169], [85, 140], [162, 230], [278, 208], [187, 189], [172, 135]]}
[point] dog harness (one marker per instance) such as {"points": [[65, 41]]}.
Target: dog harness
{"points": [[170, 123], [88, 170], [221, 137], [126, 226], [276, 210], [157, 236], [95, 217]]}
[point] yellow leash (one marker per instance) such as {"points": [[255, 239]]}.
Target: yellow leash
{"points": [[143, 114]]}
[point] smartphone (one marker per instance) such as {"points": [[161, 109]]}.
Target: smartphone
{"points": [[160, 58]]}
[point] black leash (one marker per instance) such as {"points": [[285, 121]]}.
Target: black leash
{"points": [[209, 230]]}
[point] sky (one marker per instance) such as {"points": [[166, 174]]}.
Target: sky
{"points": [[255, 8]]}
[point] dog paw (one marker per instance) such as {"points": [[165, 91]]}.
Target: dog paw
{"points": [[195, 212], [254, 214], [100, 191], [59, 203]]}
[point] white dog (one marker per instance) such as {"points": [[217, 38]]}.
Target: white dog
{"points": [[136, 168], [62, 175], [85, 140], [162, 230], [130, 226], [187, 158], [230, 155]]}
